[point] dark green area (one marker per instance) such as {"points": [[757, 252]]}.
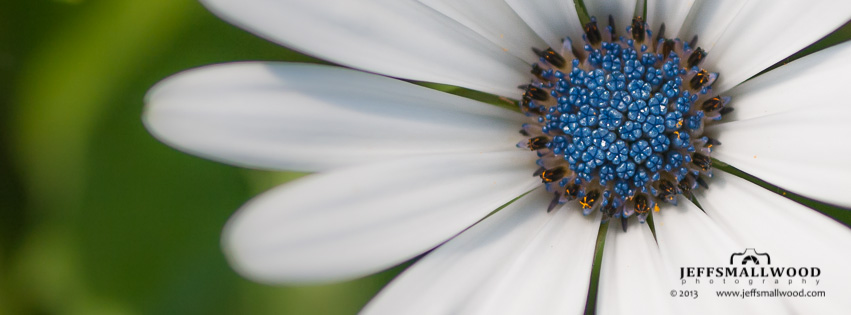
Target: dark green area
{"points": [[582, 11], [591, 304], [841, 34], [843, 215]]}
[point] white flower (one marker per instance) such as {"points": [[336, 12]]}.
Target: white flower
{"points": [[403, 169]]}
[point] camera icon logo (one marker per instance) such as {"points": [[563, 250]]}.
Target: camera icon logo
{"points": [[750, 255]]}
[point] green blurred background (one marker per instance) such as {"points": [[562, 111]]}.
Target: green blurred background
{"points": [[97, 217]]}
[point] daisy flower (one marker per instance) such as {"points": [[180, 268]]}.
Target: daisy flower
{"points": [[620, 117]]}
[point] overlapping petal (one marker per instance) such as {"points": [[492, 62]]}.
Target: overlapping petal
{"points": [[311, 117], [633, 278], [709, 20], [687, 237], [762, 33], [790, 127], [521, 259], [453, 272], [400, 38], [791, 233], [671, 12], [553, 20], [550, 276], [356, 221], [499, 24]]}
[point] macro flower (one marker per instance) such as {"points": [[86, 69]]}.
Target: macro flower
{"points": [[622, 119]]}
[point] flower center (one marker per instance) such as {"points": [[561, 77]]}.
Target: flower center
{"points": [[618, 126]]}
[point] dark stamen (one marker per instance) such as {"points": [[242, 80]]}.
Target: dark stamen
{"points": [[699, 79], [638, 31], [612, 25], [592, 33], [551, 56], [667, 191], [539, 171], [641, 204], [609, 209], [726, 110], [549, 176], [535, 93], [661, 33], [589, 199], [685, 187], [667, 47], [693, 42], [696, 57], [537, 71], [538, 143], [702, 161], [571, 191], [712, 104], [623, 224]]}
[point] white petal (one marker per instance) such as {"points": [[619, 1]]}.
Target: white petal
{"points": [[550, 276], [790, 127], [494, 20], [553, 20], [687, 237], [709, 19], [356, 221], [400, 38], [445, 279], [671, 12], [793, 235], [632, 275], [764, 32], [311, 117], [621, 10], [812, 81]]}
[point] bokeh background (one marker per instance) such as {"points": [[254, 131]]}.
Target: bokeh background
{"points": [[97, 217]]}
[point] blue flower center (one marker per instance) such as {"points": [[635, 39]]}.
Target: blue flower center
{"points": [[619, 125]]}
